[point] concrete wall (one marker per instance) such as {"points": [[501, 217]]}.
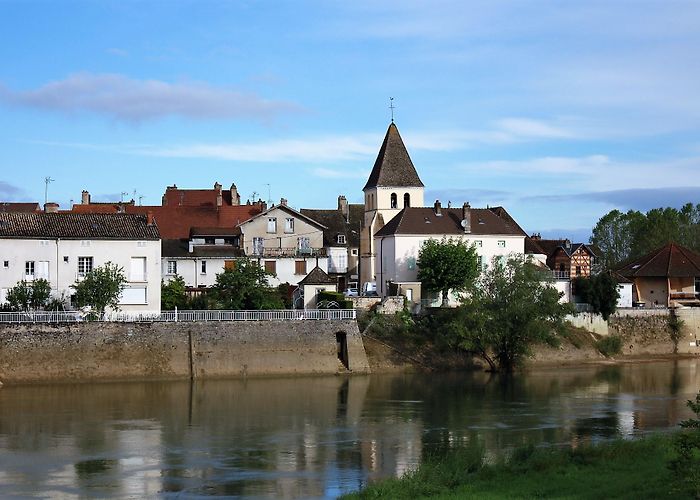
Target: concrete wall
{"points": [[591, 322], [121, 351]]}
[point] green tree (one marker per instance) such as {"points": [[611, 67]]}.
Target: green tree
{"points": [[246, 287], [29, 295], [100, 288], [172, 294], [600, 292], [450, 264], [686, 443], [512, 307]]}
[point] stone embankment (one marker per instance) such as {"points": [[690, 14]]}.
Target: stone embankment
{"points": [[31, 353]]}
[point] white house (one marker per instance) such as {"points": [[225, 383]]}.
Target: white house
{"points": [[397, 244], [63, 247]]}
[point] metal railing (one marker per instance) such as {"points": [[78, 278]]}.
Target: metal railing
{"points": [[288, 252], [179, 316]]}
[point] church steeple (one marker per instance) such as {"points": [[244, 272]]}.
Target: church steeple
{"points": [[393, 167]]}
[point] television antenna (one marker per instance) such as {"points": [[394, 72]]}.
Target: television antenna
{"points": [[122, 195], [47, 181], [269, 198]]}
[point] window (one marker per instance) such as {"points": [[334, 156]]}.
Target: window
{"points": [[85, 243], [258, 246], [203, 267], [42, 270], [65, 259], [229, 265], [137, 270], [304, 245], [480, 261], [561, 268], [578, 270], [29, 269], [341, 239], [479, 243], [300, 267], [84, 265], [271, 267], [502, 243], [135, 295], [411, 263], [6, 264], [406, 200], [272, 224], [172, 267], [353, 252], [393, 200], [289, 225]]}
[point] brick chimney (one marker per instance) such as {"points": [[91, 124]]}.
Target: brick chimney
{"points": [[219, 194], [85, 197], [283, 201], [149, 217], [235, 197], [467, 217], [438, 208], [51, 208], [343, 207]]}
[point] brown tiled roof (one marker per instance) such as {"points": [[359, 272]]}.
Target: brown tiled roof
{"points": [[77, 226], [671, 260], [215, 231], [181, 248], [417, 221], [7, 206], [175, 222], [532, 246], [335, 222], [317, 276], [548, 247], [393, 166]]}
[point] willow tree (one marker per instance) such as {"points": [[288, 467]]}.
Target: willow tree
{"points": [[449, 264]]}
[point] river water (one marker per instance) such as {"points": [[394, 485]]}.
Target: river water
{"points": [[309, 437]]}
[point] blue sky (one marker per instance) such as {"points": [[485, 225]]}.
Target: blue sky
{"points": [[560, 111]]}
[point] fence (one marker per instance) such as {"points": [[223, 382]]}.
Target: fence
{"points": [[179, 316]]}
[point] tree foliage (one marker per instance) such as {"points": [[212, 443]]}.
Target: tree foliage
{"points": [[29, 295], [450, 264], [100, 288], [600, 292], [625, 236], [172, 294], [246, 287], [512, 307], [686, 443]]}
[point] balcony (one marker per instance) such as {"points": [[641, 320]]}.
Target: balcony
{"points": [[289, 252], [561, 275]]}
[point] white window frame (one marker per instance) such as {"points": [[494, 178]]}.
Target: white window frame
{"points": [[29, 268], [341, 239], [172, 267], [479, 243], [203, 267], [258, 245], [37, 270], [303, 243], [272, 225], [289, 225], [501, 243], [86, 264]]}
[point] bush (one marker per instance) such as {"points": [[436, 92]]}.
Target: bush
{"points": [[610, 345], [686, 464], [25, 296], [328, 299], [676, 327]]}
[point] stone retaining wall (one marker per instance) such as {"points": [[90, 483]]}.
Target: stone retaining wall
{"points": [[118, 351]]}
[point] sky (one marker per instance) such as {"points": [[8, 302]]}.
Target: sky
{"points": [[559, 111]]}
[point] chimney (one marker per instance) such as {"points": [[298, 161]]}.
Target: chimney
{"points": [[235, 197], [438, 208], [85, 199], [283, 201], [51, 208], [217, 186], [467, 217], [343, 207], [219, 198], [149, 217], [262, 204]]}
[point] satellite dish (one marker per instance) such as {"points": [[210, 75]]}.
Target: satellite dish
{"points": [[463, 223]]}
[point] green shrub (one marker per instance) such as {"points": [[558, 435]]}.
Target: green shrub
{"points": [[610, 345], [676, 327], [686, 464]]}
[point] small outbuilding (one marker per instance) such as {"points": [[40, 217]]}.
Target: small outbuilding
{"points": [[313, 283], [667, 277]]}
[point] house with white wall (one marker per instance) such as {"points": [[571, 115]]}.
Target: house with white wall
{"points": [[286, 242], [397, 244], [63, 247]]}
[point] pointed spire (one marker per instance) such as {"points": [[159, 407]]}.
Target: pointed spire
{"points": [[393, 167]]}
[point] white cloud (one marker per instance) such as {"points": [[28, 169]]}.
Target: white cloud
{"points": [[131, 100], [327, 173]]}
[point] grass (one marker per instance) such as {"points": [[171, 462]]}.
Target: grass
{"points": [[618, 469]]}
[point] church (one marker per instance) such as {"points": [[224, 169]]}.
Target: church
{"points": [[397, 222]]}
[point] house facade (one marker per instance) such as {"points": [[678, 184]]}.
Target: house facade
{"points": [[398, 243], [63, 247], [667, 277], [565, 259]]}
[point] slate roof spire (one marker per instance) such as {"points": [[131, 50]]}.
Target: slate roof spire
{"points": [[393, 167]]}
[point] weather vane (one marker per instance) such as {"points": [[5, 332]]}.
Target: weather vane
{"points": [[391, 107]]}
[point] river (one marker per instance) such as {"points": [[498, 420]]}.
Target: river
{"points": [[310, 437]]}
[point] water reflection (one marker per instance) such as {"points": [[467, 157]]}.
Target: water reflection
{"points": [[309, 437]]}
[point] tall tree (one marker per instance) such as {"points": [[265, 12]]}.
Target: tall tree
{"points": [[600, 292], [100, 288], [450, 264], [512, 307]]}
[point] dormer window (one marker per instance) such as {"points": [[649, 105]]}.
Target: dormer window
{"points": [[341, 239]]}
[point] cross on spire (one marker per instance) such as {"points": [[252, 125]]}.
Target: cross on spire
{"points": [[391, 107]]}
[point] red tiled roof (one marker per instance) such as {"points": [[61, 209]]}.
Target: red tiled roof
{"points": [[80, 226], [671, 260], [19, 207]]}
